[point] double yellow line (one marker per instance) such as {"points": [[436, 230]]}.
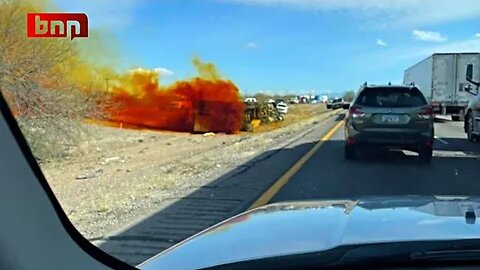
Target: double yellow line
{"points": [[268, 195]]}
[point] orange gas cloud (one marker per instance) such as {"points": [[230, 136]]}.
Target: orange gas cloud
{"points": [[206, 103]]}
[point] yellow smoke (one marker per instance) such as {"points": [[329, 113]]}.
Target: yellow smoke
{"points": [[135, 81], [206, 71]]}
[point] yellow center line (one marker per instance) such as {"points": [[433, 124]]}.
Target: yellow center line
{"points": [[268, 195]]}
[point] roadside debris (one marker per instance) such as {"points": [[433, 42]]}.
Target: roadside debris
{"points": [[257, 113], [90, 175], [208, 134], [111, 159]]}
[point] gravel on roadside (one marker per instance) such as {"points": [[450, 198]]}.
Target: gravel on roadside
{"points": [[125, 174]]}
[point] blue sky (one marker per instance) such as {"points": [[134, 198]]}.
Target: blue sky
{"points": [[282, 46]]}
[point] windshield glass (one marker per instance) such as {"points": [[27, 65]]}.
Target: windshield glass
{"points": [[154, 120], [391, 97]]}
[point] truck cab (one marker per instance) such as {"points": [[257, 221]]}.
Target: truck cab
{"points": [[472, 112]]}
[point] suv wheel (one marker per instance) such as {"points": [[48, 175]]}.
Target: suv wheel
{"points": [[425, 154], [469, 128], [350, 152]]}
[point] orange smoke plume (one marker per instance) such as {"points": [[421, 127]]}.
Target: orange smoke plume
{"points": [[206, 103]]}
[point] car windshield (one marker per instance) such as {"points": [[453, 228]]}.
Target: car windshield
{"points": [[391, 97], [153, 121]]}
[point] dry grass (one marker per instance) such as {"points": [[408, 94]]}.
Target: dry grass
{"points": [[296, 113]]}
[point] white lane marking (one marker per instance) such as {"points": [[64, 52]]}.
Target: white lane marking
{"points": [[441, 140], [409, 153], [454, 154]]}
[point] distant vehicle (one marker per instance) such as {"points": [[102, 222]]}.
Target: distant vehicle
{"points": [[319, 99], [337, 103], [472, 113], [294, 100], [282, 107], [303, 100], [251, 100], [329, 103], [390, 117], [441, 78]]}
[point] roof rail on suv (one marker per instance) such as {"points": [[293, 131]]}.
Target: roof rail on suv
{"points": [[410, 85]]}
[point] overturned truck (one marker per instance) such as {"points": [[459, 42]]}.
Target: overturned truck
{"points": [[257, 114]]}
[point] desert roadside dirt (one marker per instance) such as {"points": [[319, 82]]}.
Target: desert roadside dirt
{"points": [[123, 174]]}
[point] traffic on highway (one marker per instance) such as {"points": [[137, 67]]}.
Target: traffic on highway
{"points": [[351, 142]]}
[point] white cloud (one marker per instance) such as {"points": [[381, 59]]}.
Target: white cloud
{"points": [[401, 57], [412, 54], [103, 13], [477, 35], [251, 45], [163, 72], [411, 13], [471, 45], [428, 36], [381, 43]]}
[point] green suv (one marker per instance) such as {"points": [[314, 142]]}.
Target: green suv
{"points": [[392, 117]]}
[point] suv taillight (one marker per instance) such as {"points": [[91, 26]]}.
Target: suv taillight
{"points": [[426, 112], [355, 111]]}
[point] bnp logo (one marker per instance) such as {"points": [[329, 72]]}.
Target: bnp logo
{"points": [[57, 25]]}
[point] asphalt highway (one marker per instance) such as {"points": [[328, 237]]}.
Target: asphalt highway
{"points": [[455, 170], [312, 166]]}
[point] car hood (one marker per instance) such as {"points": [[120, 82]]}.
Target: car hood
{"points": [[302, 227]]}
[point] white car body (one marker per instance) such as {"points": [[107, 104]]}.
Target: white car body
{"points": [[282, 108], [251, 100]]}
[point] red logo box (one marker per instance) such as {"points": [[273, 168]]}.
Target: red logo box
{"points": [[57, 25]]}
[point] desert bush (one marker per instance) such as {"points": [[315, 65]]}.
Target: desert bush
{"points": [[46, 83]]}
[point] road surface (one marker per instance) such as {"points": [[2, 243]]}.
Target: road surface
{"points": [[455, 170], [325, 174]]}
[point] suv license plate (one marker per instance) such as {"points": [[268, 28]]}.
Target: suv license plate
{"points": [[390, 119]]}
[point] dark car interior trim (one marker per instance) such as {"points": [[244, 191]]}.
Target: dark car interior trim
{"points": [[74, 234]]}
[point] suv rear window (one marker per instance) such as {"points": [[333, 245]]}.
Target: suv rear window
{"points": [[391, 97]]}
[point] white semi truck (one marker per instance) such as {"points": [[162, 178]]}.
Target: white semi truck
{"points": [[472, 112], [441, 78]]}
